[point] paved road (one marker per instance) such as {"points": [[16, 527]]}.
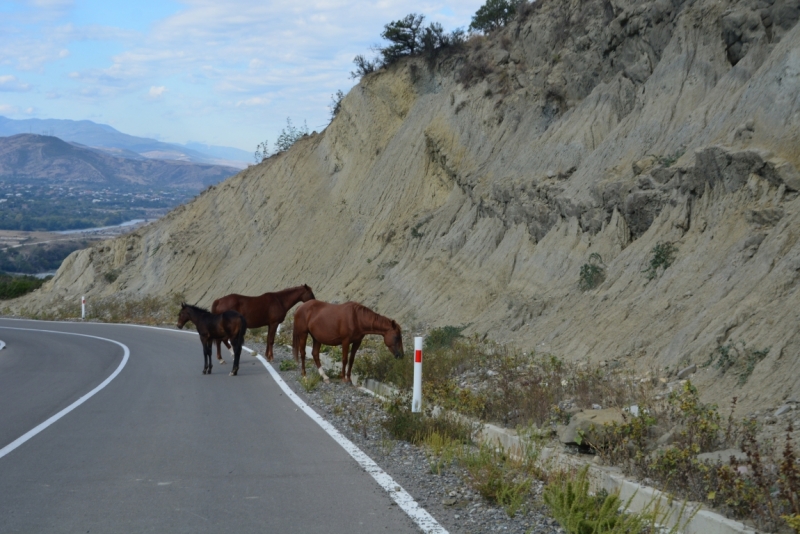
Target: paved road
{"points": [[163, 448]]}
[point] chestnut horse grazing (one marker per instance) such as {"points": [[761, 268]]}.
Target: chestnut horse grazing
{"points": [[211, 327], [341, 324], [267, 310]]}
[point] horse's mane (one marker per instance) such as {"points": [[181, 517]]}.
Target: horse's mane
{"points": [[291, 289], [375, 317], [194, 307]]}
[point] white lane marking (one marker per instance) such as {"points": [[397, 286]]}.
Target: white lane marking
{"points": [[29, 434], [420, 516]]}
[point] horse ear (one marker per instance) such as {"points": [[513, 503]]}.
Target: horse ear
{"points": [[394, 323]]}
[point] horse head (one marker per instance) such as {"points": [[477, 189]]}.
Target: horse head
{"points": [[307, 294], [393, 338], [183, 316]]}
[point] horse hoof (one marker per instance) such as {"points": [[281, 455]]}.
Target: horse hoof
{"points": [[222, 362], [204, 371]]}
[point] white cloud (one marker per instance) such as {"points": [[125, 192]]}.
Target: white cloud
{"points": [[8, 109], [157, 92], [255, 60], [255, 101], [11, 83]]}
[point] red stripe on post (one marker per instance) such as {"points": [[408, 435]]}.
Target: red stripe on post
{"points": [[417, 356]]}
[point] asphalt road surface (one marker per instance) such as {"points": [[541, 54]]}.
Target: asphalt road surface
{"points": [[163, 448]]}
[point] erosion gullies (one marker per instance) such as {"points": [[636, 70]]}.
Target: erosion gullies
{"points": [[470, 190]]}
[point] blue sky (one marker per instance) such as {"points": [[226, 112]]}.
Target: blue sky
{"points": [[223, 73]]}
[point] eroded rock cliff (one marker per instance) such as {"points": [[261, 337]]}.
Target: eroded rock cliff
{"points": [[470, 190]]}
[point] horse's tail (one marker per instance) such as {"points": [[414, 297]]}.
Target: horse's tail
{"points": [[243, 331], [295, 345], [298, 331]]}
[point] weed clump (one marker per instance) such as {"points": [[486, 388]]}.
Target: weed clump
{"points": [[581, 513], [593, 273], [443, 337], [739, 356], [663, 256], [288, 365], [403, 424]]}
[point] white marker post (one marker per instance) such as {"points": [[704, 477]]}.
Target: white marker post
{"points": [[83, 307], [416, 398]]}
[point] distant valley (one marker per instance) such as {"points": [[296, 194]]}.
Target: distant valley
{"points": [[95, 176], [41, 159]]}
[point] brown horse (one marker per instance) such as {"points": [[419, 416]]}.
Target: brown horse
{"points": [[211, 326], [267, 310], [341, 324]]}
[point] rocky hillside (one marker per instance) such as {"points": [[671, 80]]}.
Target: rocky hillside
{"points": [[471, 189], [31, 158]]}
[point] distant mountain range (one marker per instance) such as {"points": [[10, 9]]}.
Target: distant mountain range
{"points": [[42, 158], [104, 137]]}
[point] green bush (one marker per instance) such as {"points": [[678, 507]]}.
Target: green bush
{"points": [[288, 365], [15, 286], [443, 337], [592, 273], [580, 513], [336, 103], [498, 477], [290, 135], [408, 37], [740, 356], [494, 14], [403, 424], [663, 256]]}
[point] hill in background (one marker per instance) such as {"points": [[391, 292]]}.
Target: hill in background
{"points": [[105, 137], [31, 159]]}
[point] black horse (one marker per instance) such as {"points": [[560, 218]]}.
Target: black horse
{"points": [[212, 326]]}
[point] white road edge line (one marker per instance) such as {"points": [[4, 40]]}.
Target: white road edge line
{"points": [[420, 516], [41, 426]]}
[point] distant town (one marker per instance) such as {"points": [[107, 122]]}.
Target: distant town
{"points": [[51, 207]]}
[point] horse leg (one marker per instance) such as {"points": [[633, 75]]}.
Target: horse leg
{"points": [[273, 329], [300, 351], [345, 351], [228, 344], [237, 351], [353, 349], [219, 353], [207, 353], [315, 354]]}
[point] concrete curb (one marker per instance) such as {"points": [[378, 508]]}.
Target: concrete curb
{"points": [[2, 345], [694, 519]]}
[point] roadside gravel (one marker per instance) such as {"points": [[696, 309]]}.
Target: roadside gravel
{"points": [[358, 414]]}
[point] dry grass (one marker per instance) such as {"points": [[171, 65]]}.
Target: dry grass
{"points": [[150, 310], [496, 384]]}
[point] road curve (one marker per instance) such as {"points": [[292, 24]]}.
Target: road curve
{"points": [[163, 448]]}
